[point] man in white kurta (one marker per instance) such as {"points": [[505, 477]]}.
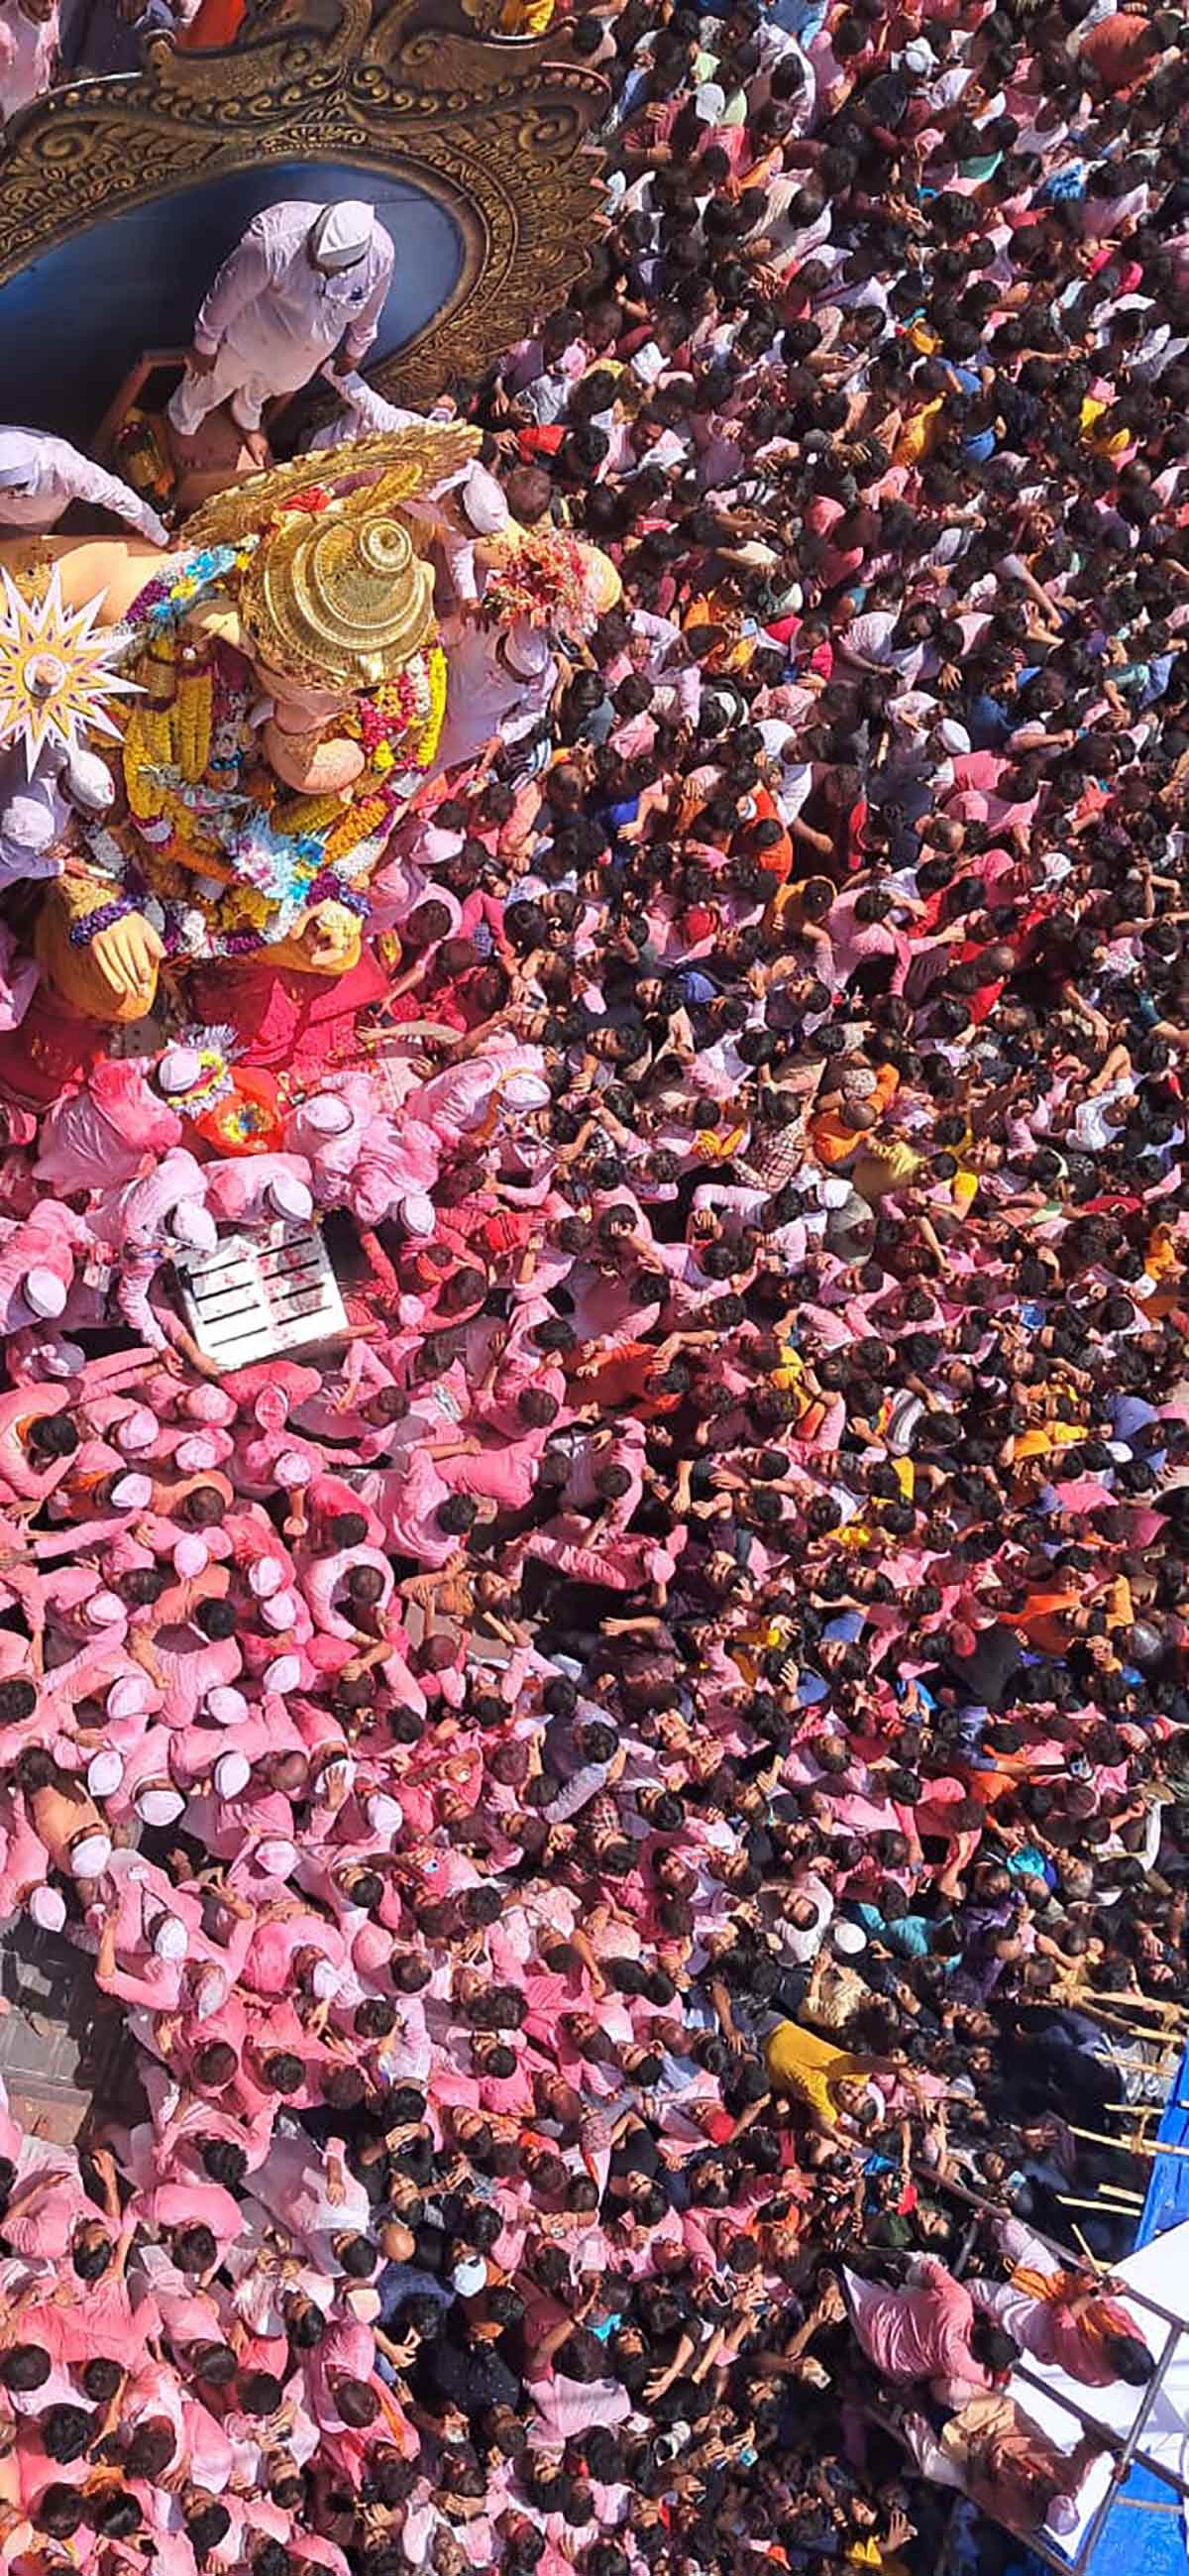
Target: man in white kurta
{"points": [[28, 52], [499, 686], [303, 280], [40, 476]]}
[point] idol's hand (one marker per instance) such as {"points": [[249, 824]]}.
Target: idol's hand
{"points": [[328, 936], [128, 954]]}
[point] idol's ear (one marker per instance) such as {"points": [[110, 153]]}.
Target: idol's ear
{"points": [[216, 622]]}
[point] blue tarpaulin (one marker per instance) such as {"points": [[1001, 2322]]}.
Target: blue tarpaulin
{"points": [[1153, 2544]]}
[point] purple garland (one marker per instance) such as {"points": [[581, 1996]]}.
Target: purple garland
{"points": [[89, 925]]}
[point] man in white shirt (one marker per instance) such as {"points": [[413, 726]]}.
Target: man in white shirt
{"points": [[40, 476]]}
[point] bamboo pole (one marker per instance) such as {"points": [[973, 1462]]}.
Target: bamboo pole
{"points": [[1140, 2003], [1099, 2138], [1094, 2260], [1070, 2200]]}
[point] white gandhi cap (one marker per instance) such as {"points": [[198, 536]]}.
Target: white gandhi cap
{"points": [[180, 1068], [44, 1292], [341, 235], [416, 1213], [159, 1806], [327, 1115], [89, 1855], [138, 1430], [129, 1696], [276, 1856], [105, 1771], [226, 1705], [283, 1674], [290, 1197], [47, 1905], [195, 1225], [231, 1774], [89, 780]]}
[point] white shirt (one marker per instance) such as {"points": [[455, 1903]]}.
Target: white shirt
{"points": [[52, 474]]}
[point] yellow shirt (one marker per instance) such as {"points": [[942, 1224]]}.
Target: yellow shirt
{"points": [[813, 2067]]}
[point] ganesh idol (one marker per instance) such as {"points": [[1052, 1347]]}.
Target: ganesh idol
{"points": [[272, 697]]}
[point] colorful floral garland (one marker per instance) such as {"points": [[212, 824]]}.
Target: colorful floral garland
{"points": [[224, 862], [542, 580]]}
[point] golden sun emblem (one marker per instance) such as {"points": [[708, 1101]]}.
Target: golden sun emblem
{"points": [[55, 671]]}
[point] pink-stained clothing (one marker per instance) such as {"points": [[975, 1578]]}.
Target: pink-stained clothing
{"points": [[922, 2332], [105, 1131], [238, 1190]]}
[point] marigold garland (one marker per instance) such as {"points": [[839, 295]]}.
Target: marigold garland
{"points": [[197, 788]]}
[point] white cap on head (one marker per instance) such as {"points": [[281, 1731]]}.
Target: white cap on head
{"points": [[283, 1674], [104, 1609], [196, 1453], [292, 1468], [526, 1091], [57, 1358], [710, 99], [276, 1856], [28, 823], [88, 780], [469, 2276], [105, 1770], [133, 1492], [207, 1403], [180, 1068], [325, 1980], [265, 1577], [191, 1556], [226, 1705], [129, 1696], [89, 1856], [341, 235], [138, 1430], [159, 1805], [526, 650], [210, 1992], [170, 1937], [833, 1192], [849, 1939], [232, 1773], [47, 1906], [385, 1814], [327, 1114], [279, 1611], [483, 501], [437, 845], [43, 1292], [192, 1224], [416, 1213], [290, 1198]]}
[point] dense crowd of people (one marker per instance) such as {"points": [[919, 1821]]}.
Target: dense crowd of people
{"points": [[608, 1796]]}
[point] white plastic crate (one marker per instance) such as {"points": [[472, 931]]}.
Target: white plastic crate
{"points": [[259, 1294]]}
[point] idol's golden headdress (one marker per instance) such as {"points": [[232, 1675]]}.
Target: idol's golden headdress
{"points": [[335, 590]]}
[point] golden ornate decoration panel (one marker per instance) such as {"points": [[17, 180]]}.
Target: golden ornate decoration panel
{"points": [[495, 129]]}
